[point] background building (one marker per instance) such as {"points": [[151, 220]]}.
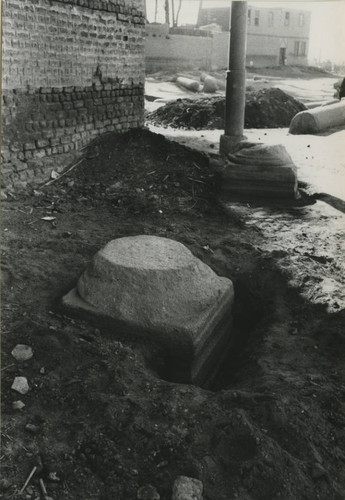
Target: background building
{"points": [[275, 35]]}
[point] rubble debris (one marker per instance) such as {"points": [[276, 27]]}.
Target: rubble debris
{"points": [[4, 484], [7, 367], [22, 352], [54, 477], [44, 490], [33, 429], [28, 480], [18, 405], [20, 384], [54, 174], [48, 218], [148, 492], [187, 488]]}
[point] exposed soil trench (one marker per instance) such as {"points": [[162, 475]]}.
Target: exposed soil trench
{"points": [[103, 421]]}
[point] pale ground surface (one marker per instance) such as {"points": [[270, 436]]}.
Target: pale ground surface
{"points": [[308, 242], [309, 92]]}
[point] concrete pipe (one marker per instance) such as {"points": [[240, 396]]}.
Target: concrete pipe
{"points": [[313, 121], [188, 84]]}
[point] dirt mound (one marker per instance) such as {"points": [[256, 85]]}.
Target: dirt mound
{"points": [[266, 108], [141, 172]]}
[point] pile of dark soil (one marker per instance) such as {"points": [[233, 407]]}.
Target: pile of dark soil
{"points": [[266, 108], [99, 421], [140, 172]]}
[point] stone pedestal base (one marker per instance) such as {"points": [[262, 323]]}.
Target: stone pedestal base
{"points": [[257, 170], [154, 287]]}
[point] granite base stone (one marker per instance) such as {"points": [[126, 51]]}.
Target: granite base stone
{"points": [[156, 288], [257, 170]]}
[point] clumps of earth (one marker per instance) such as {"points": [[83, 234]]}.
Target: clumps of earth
{"points": [[266, 108]]}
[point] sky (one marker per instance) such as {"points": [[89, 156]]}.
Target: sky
{"points": [[327, 30]]}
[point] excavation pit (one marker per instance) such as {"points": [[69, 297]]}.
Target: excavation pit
{"points": [[155, 288]]}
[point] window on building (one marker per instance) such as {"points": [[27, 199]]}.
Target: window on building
{"points": [[249, 16], [287, 18], [270, 18], [256, 18], [303, 48], [300, 48], [301, 20]]}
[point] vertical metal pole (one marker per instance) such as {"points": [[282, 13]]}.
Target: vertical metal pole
{"points": [[235, 77], [167, 13]]}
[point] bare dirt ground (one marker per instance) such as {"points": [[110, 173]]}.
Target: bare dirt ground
{"points": [[102, 419]]}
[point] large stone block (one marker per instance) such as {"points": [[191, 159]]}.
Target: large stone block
{"points": [[257, 170], [154, 287]]}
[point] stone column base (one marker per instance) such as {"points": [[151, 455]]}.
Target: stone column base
{"points": [[257, 170], [155, 288]]}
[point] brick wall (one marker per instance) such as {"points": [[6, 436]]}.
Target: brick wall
{"points": [[71, 70]]}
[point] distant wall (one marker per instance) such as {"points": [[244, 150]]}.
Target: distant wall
{"points": [[220, 51], [166, 50], [71, 70], [256, 61]]}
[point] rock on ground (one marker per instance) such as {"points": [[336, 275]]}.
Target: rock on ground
{"points": [[187, 488]]}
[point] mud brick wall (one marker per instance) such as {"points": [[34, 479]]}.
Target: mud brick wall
{"points": [[71, 70]]}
